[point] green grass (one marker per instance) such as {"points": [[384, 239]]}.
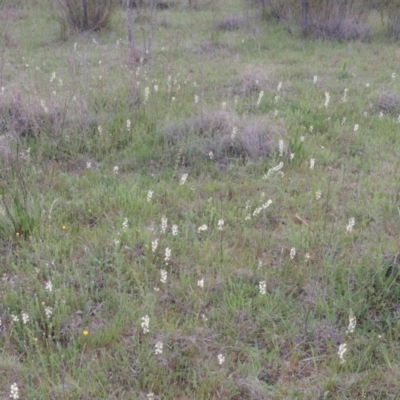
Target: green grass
{"points": [[63, 208]]}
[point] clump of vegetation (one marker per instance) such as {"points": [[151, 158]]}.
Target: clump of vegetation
{"points": [[388, 103], [343, 20], [222, 136], [25, 115], [348, 28], [252, 79], [229, 24], [87, 15]]}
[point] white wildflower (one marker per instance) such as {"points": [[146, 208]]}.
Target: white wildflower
{"points": [[356, 126], [200, 283], [315, 79], [327, 98], [146, 94], [260, 96], [196, 99], [145, 324], [14, 391], [149, 195], [167, 255], [202, 228], [164, 275], [116, 170], [267, 204], [53, 77], [174, 230], [263, 287], [235, 129], [257, 211], [318, 194], [154, 245], [211, 155], [292, 252], [164, 224], [48, 311], [281, 147], [352, 323], [14, 318], [48, 286], [25, 318], [312, 163], [125, 224], [279, 87], [128, 125], [274, 169], [44, 107], [158, 348], [221, 224], [221, 359], [341, 352], [350, 225], [88, 164], [183, 179]]}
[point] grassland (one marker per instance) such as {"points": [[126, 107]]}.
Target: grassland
{"points": [[221, 244]]}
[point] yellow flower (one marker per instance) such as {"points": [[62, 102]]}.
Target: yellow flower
{"points": [[85, 333], [64, 228]]}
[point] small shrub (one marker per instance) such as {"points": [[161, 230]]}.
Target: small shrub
{"points": [[22, 116], [388, 102], [228, 24], [338, 20], [87, 15], [252, 80], [224, 135], [340, 29]]}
